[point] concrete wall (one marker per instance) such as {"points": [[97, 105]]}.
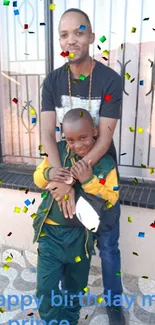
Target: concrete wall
{"points": [[20, 224]]}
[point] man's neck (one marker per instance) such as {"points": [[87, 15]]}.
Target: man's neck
{"points": [[81, 68]]}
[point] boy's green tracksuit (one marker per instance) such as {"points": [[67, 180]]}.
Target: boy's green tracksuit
{"points": [[66, 248]]}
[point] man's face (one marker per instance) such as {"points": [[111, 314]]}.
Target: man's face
{"points": [[72, 38], [80, 136]]}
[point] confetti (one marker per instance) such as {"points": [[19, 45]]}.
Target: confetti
{"points": [[57, 129], [82, 77], [115, 188], [127, 76], [86, 317], [26, 54], [25, 26], [81, 114], [151, 64], [26, 191], [31, 32], [99, 300], [14, 3], [6, 267], [109, 205], [131, 128], [106, 53], [129, 219], [8, 259], [16, 12], [151, 170], [42, 24], [145, 277], [146, 19], [9, 234], [141, 82], [66, 197], [101, 175], [86, 289], [103, 39], [33, 201], [77, 259], [33, 119], [32, 111], [143, 166], [15, 100], [6, 3], [64, 54], [71, 55], [82, 27], [133, 29], [132, 80], [0, 181], [134, 253], [153, 29], [52, 6], [103, 57], [40, 147], [25, 209], [92, 229], [45, 210], [122, 46], [102, 181], [17, 210], [118, 273], [140, 130], [34, 215], [123, 154], [27, 202], [44, 195], [135, 181], [141, 234], [99, 47], [107, 97], [44, 154], [2, 310], [152, 224], [42, 234]]}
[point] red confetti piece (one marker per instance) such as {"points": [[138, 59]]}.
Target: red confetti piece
{"points": [[107, 97], [15, 100], [25, 26], [102, 181], [152, 224], [9, 234], [26, 191], [64, 54]]}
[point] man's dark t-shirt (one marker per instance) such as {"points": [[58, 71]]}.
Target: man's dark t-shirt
{"points": [[55, 94]]}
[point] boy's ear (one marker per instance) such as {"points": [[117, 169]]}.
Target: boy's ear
{"points": [[95, 131]]}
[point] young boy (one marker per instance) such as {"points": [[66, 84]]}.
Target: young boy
{"points": [[65, 245]]}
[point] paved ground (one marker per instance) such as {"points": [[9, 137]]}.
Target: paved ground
{"points": [[20, 279]]}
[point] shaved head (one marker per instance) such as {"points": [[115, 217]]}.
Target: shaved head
{"points": [[77, 114], [88, 23]]}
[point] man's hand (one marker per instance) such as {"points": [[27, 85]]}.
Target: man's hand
{"points": [[68, 206], [59, 174], [81, 170], [58, 190]]}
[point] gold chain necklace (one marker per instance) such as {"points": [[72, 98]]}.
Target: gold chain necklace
{"points": [[90, 86]]}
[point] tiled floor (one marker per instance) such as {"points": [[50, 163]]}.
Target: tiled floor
{"points": [[20, 279]]}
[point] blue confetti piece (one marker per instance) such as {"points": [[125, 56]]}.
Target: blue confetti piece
{"points": [[27, 202], [14, 3], [141, 83], [33, 119], [115, 188], [141, 234], [32, 269], [82, 27], [98, 195], [57, 129], [16, 12]]}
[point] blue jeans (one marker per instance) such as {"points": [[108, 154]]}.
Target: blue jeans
{"points": [[110, 260]]}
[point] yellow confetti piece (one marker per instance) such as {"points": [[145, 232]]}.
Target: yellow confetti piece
{"points": [[86, 289], [131, 128], [129, 219], [99, 300], [151, 170], [42, 234], [0, 181], [45, 210], [135, 181], [133, 30], [109, 205], [32, 111], [77, 259], [40, 147], [17, 210], [8, 259], [52, 6], [34, 215], [71, 55], [127, 76], [81, 114], [6, 267], [2, 310], [66, 197], [105, 52], [140, 130], [24, 209]]}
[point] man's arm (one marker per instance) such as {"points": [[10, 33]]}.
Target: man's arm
{"points": [[106, 130]]}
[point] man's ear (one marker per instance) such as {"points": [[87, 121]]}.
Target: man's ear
{"points": [[95, 131], [92, 38]]}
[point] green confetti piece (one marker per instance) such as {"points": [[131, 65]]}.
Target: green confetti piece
{"points": [[131, 128], [25, 209], [44, 195], [106, 52], [42, 234], [0, 181], [6, 267], [103, 39], [145, 19], [135, 181], [127, 76], [82, 77], [34, 215], [6, 3], [75, 81], [17, 210], [133, 29], [118, 273], [45, 210], [129, 219], [143, 166]]}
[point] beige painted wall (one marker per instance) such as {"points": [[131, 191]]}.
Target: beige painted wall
{"points": [[22, 232]]}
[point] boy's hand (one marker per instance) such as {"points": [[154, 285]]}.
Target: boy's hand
{"points": [[81, 170], [59, 174], [58, 190]]}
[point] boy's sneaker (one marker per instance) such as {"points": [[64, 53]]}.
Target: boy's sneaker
{"points": [[116, 315]]}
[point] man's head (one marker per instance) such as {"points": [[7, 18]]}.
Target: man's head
{"points": [[72, 38], [79, 131]]}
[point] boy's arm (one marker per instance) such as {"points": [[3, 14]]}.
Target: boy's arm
{"points": [[106, 191], [39, 174]]}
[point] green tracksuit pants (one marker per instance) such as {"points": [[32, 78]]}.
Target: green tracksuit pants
{"points": [[56, 257]]}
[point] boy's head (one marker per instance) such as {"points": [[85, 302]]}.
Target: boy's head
{"points": [[79, 131]]}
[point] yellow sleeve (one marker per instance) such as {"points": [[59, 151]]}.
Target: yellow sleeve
{"points": [[106, 191], [38, 176]]}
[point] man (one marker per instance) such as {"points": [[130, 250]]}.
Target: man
{"points": [[101, 93]]}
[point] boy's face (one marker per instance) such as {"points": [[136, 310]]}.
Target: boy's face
{"points": [[80, 136]]}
